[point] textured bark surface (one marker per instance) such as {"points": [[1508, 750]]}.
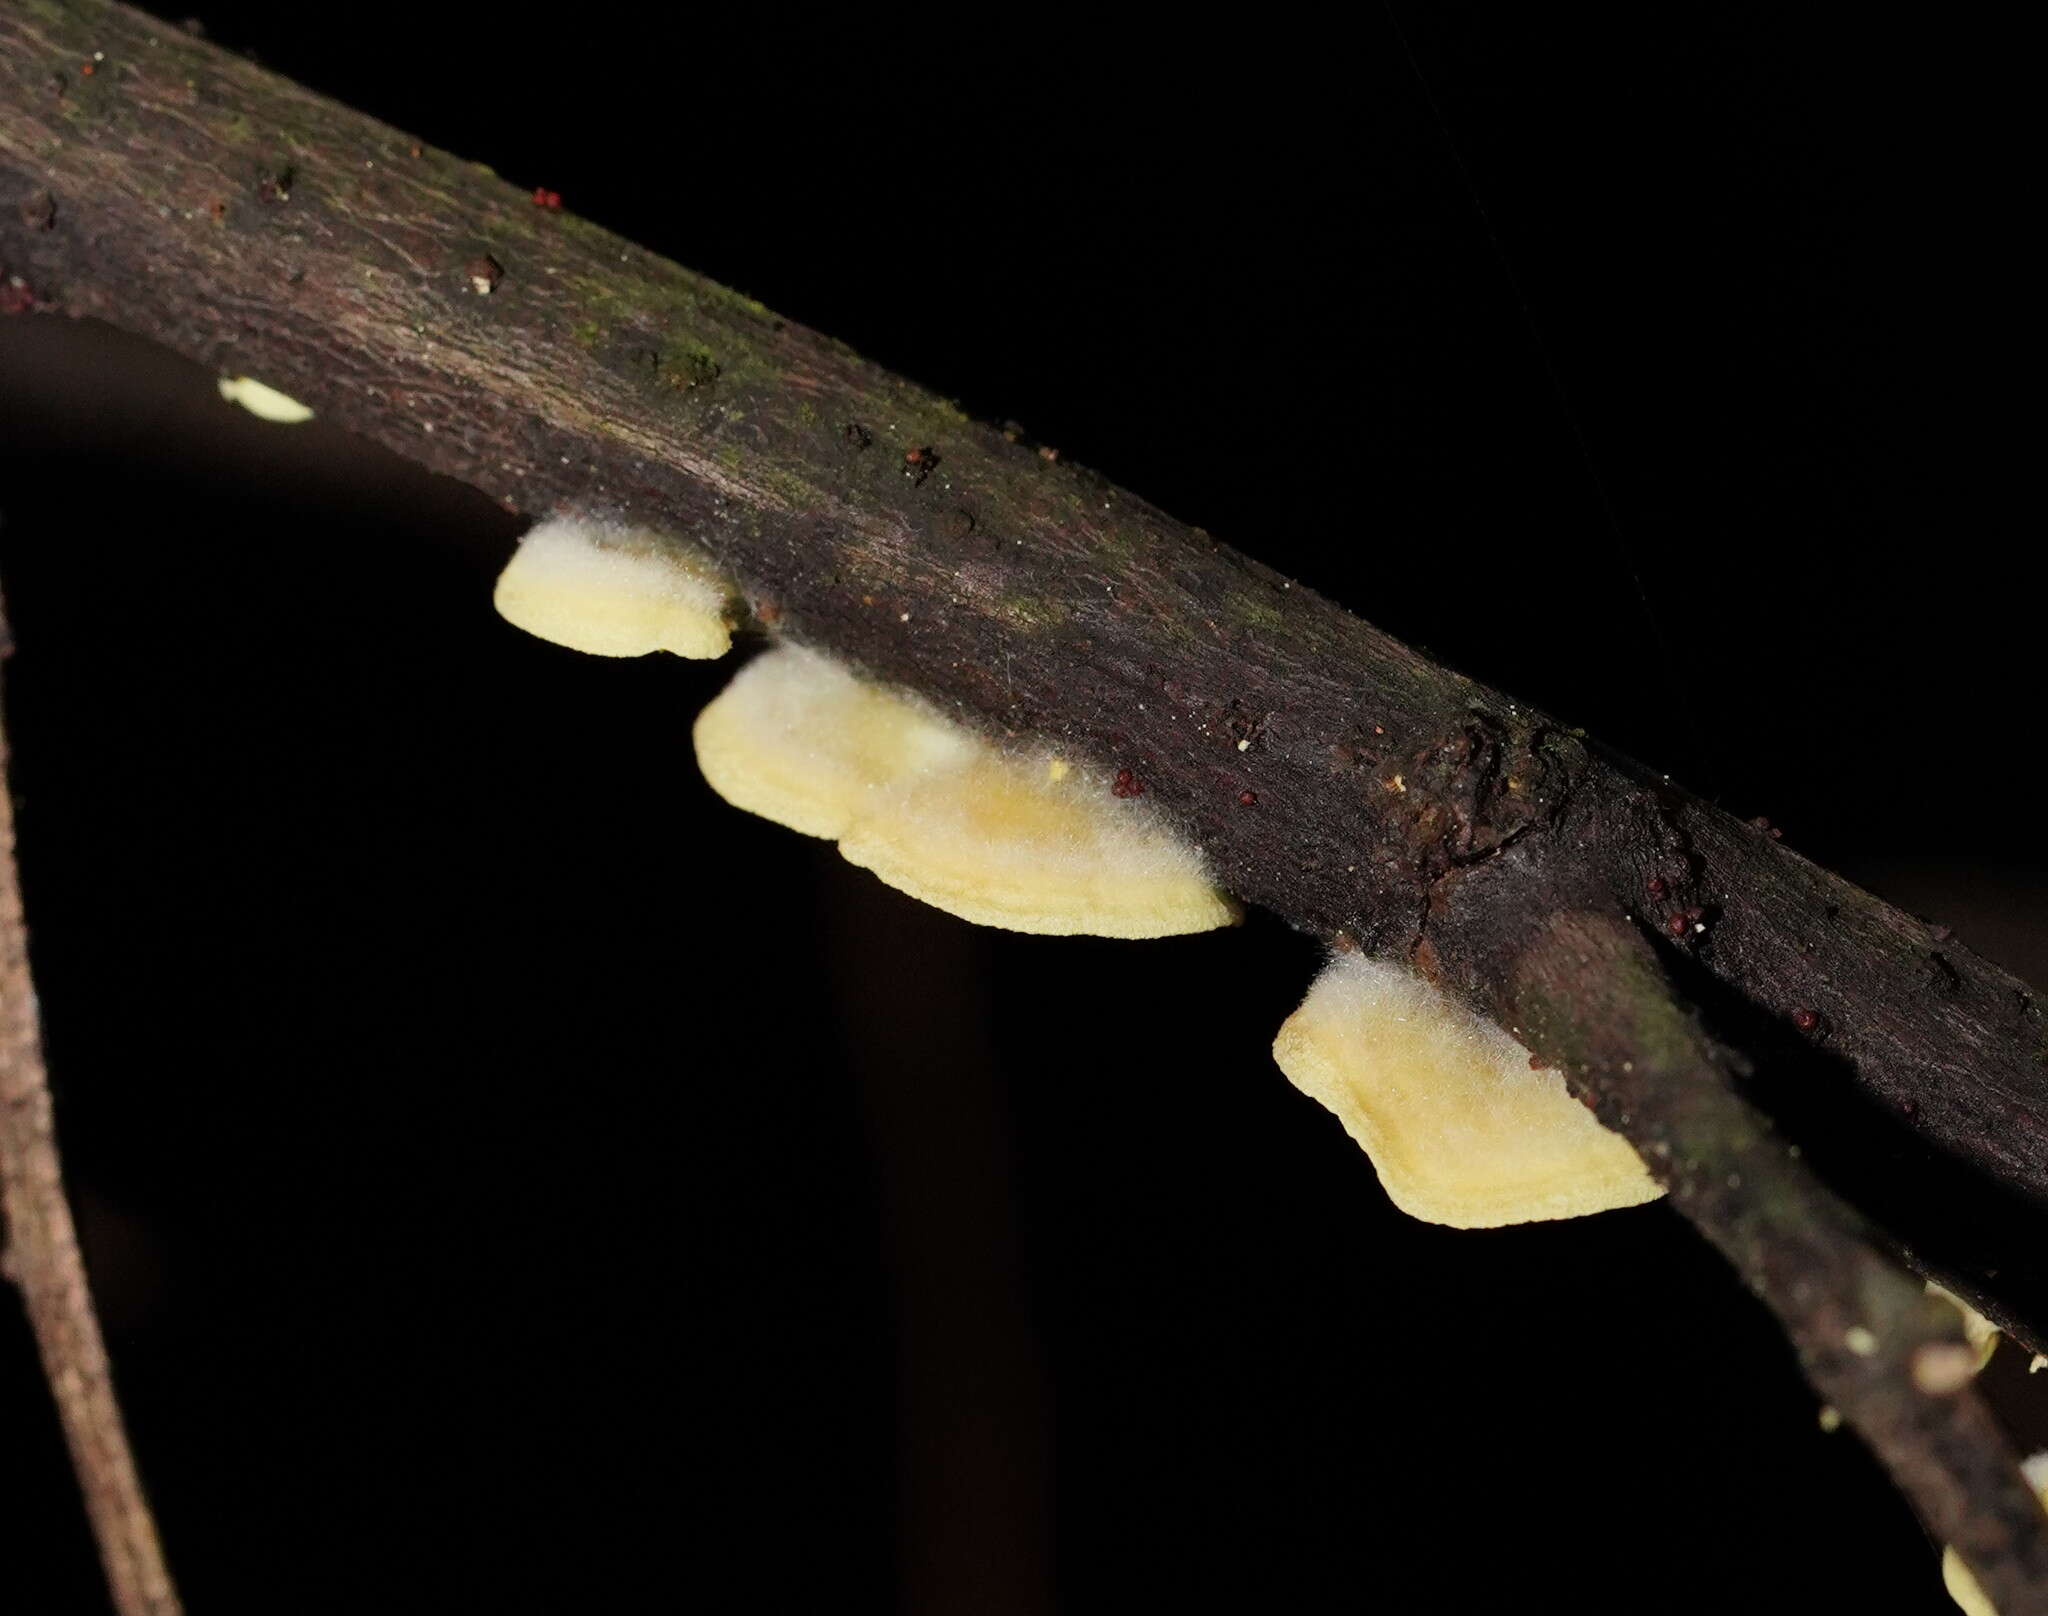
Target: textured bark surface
{"points": [[1329, 772]]}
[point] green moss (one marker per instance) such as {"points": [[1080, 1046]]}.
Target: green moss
{"points": [[1032, 611], [671, 299], [790, 489], [1259, 613], [686, 362]]}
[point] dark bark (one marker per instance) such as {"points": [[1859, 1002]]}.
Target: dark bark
{"points": [[420, 302], [1589, 986]]}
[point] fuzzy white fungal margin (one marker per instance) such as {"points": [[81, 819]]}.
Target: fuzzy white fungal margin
{"points": [[617, 592], [1460, 1128], [1027, 842], [264, 402]]}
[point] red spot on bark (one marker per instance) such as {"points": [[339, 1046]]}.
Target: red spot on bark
{"points": [[86, 69], [1538, 1064], [1126, 784], [1248, 797], [1677, 925], [16, 297], [1655, 886], [542, 198], [1806, 1020]]}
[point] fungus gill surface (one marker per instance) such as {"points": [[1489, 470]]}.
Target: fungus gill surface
{"points": [[266, 402], [1025, 842], [1460, 1128], [617, 592]]}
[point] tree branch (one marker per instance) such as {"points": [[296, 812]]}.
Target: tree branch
{"points": [[1329, 772], [1888, 1355], [41, 1257]]}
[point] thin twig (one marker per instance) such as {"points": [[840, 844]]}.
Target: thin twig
{"points": [[42, 1258], [1589, 994]]}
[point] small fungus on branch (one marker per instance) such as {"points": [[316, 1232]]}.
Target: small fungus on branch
{"points": [[1460, 1127], [1022, 841], [265, 403], [1957, 1578], [614, 592], [1981, 1333]]}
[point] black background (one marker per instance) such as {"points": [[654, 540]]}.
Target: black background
{"points": [[517, 1181]]}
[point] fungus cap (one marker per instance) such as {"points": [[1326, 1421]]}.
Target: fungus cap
{"points": [[1979, 1331], [796, 738], [1017, 840], [1035, 845], [265, 402], [616, 592], [1460, 1128]]}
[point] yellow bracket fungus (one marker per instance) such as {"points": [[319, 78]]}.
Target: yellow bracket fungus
{"points": [[1460, 1128], [614, 592], [1025, 842], [1979, 1331], [265, 402], [1955, 1576]]}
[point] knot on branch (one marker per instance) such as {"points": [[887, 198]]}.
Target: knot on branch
{"points": [[1467, 795]]}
